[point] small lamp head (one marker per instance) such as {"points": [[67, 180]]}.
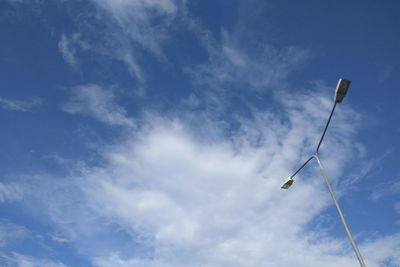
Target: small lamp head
{"points": [[341, 89], [287, 183]]}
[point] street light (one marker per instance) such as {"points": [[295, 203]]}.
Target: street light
{"points": [[341, 90], [287, 183]]}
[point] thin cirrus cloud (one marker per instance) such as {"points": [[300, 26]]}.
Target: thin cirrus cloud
{"points": [[241, 57], [69, 46], [25, 261], [391, 187], [130, 32], [178, 191], [10, 232], [230, 65], [190, 200], [135, 19], [20, 105], [10, 192], [94, 101], [128, 24]]}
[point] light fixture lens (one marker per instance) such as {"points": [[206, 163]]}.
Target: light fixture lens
{"points": [[341, 90], [287, 183]]}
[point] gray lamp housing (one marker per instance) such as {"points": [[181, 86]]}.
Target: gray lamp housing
{"points": [[341, 90], [287, 183]]}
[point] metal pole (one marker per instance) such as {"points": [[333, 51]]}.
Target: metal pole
{"points": [[353, 244], [326, 127], [341, 90]]}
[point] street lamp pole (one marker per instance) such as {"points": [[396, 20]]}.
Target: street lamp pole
{"points": [[341, 91]]}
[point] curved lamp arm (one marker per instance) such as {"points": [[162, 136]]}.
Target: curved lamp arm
{"points": [[289, 181]]}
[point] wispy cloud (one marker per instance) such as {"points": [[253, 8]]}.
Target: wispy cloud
{"points": [[187, 199], [135, 19], [390, 187], [10, 192], [69, 46], [20, 105], [11, 233], [16, 259], [129, 32], [383, 251], [136, 28], [181, 189], [99, 103], [240, 58], [231, 66]]}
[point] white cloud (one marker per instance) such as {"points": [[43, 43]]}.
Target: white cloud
{"points": [[390, 187], [20, 105], [19, 260], [99, 103], [69, 46], [131, 28], [187, 199], [383, 251], [184, 193], [231, 65], [207, 203], [126, 56], [66, 50], [240, 57], [11, 233], [135, 18], [10, 192], [122, 30]]}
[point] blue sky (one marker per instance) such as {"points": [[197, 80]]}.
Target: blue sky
{"points": [[157, 133]]}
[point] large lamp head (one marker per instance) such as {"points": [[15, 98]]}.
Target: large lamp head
{"points": [[287, 183], [341, 90]]}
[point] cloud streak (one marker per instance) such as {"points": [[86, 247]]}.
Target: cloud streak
{"points": [[11, 233], [16, 259], [232, 67], [96, 102], [20, 105], [135, 19], [186, 188], [240, 58], [130, 30], [186, 199], [69, 46], [10, 192]]}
